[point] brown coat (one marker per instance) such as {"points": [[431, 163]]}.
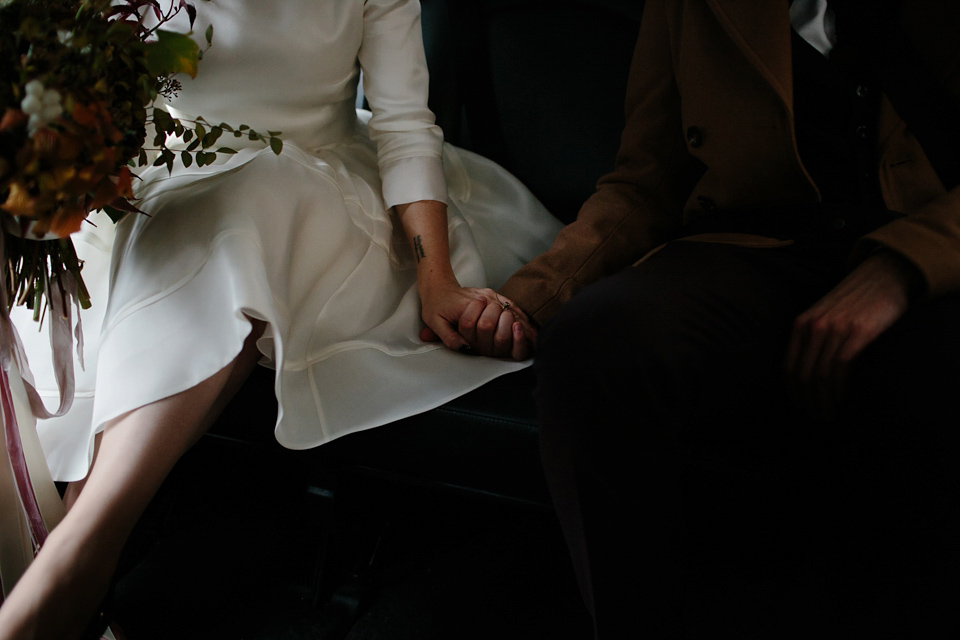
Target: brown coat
{"points": [[724, 67]]}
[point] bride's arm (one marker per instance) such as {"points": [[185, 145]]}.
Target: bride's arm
{"points": [[444, 300], [409, 150]]}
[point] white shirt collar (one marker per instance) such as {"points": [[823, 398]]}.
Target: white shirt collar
{"points": [[813, 20]]}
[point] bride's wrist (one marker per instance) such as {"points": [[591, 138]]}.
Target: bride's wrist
{"points": [[433, 280]]}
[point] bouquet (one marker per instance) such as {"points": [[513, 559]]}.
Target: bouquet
{"points": [[78, 83], [78, 80]]}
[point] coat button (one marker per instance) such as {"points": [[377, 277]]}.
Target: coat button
{"points": [[694, 137], [861, 91], [839, 223], [861, 132]]}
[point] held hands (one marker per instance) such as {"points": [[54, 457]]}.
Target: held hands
{"points": [[833, 332], [477, 320], [464, 318], [498, 328]]}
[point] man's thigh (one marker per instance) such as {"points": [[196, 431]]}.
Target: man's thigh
{"points": [[902, 413], [696, 327], [886, 561], [662, 399]]}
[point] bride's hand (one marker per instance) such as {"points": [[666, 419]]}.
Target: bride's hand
{"points": [[474, 319], [443, 305]]}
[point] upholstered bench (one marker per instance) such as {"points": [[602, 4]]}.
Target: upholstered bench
{"points": [[537, 86]]}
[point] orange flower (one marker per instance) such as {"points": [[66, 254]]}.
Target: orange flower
{"points": [[64, 174], [70, 148], [12, 118], [68, 219], [105, 193], [84, 115], [125, 183], [20, 202], [45, 141]]}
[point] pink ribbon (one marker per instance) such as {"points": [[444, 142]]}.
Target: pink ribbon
{"points": [[11, 350], [18, 461], [61, 341]]}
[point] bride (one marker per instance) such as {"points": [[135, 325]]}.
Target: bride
{"points": [[321, 262]]}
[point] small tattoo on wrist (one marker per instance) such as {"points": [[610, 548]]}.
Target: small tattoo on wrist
{"points": [[418, 249]]}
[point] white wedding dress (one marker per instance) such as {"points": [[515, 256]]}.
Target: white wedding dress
{"points": [[304, 240]]}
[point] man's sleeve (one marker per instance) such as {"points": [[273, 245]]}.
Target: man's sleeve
{"points": [[637, 206], [929, 236]]}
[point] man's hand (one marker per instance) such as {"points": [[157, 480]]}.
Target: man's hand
{"points": [[827, 337], [498, 328], [459, 316], [443, 306]]}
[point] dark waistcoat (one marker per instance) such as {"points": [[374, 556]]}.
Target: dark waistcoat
{"points": [[836, 106]]}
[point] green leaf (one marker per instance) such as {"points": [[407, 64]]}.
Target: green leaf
{"points": [[193, 145], [204, 158], [172, 53], [115, 214], [211, 138], [186, 158], [188, 135], [277, 145], [162, 119], [226, 150], [201, 130], [208, 34]]}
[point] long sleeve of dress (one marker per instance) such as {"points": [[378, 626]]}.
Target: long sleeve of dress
{"points": [[301, 239], [395, 82]]}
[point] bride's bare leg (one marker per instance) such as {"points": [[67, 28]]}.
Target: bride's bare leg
{"points": [[74, 488], [60, 592], [241, 369]]}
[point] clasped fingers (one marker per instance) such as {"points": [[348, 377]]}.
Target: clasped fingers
{"points": [[495, 327]]}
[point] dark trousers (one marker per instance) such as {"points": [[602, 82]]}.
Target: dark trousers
{"points": [[697, 502]]}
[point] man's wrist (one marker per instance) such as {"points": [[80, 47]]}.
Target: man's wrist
{"points": [[903, 269]]}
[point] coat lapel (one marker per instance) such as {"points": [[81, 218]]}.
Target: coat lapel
{"points": [[757, 28]]}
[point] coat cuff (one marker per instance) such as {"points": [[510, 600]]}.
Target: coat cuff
{"points": [[413, 179]]}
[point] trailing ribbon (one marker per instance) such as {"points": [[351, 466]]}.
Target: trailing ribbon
{"points": [[30, 505], [29, 501], [16, 544], [61, 341]]}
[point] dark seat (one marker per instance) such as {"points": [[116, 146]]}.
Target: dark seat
{"points": [[537, 86]]}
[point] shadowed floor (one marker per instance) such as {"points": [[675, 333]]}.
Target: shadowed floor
{"points": [[230, 549]]}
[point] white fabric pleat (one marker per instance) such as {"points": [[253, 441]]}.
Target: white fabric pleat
{"points": [[304, 240]]}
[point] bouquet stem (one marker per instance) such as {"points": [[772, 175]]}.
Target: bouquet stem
{"points": [[34, 268]]}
